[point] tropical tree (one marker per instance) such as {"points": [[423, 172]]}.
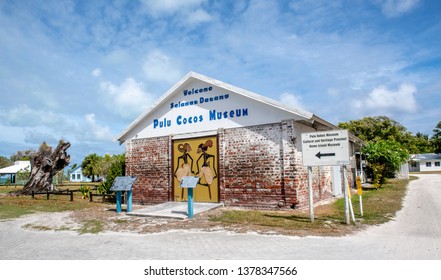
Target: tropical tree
{"points": [[5, 162], [378, 128], [117, 168], [23, 176], [383, 128], [90, 167], [436, 138], [103, 165], [384, 157], [420, 144], [23, 155]]}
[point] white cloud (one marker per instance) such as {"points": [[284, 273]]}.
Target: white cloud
{"points": [[292, 100], [96, 72], [159, 67], [98, 132], [199, 16], [37, 136], [117, 57], [381, 99], [185, 13], [128, 99], [158, 7], [24, 116], [396, 8]]}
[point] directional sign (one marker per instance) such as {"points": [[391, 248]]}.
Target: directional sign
{"points": [[325, 148]]}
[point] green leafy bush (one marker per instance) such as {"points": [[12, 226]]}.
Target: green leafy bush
{"points": [[85, 191], [117, 168]]}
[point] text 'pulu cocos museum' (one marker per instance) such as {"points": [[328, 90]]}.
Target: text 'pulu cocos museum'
{"points": [[245, 148]]}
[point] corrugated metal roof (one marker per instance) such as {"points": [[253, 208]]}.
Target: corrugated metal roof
{"points": [[425, 157], [21, 165]]}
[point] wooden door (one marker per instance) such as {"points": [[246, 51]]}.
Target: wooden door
{"points": [[196, 157]]}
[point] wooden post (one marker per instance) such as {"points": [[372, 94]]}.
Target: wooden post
{"points": [[47, 194], [33, 194], [71, 196]]}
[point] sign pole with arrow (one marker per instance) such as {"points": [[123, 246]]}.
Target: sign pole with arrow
{"points": [[325, 148]]}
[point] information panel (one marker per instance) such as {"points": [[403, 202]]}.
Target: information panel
{"points": [[123, 183], [325, 148], [189, 182]]}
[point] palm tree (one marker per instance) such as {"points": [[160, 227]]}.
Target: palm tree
{"points": [[89, 166]]}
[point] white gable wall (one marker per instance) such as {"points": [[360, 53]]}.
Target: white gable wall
{"points": [[198, 105], [190, 111]]}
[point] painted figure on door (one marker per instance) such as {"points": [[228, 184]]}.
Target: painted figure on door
{"points": [[184, 166], [206, 165], [185, 162]]}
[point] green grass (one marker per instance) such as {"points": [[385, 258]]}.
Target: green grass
{"points": [[93, 226], [12, 207], [9, 189], [379, 206]]}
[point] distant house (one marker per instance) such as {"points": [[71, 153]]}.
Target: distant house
{"points": [[425, 162], [9, 173], [76, 175]]}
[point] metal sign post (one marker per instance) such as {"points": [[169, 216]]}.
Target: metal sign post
{"points": [[123, 183], [189, 182], [348, 200], [118, 201], [360, 194], [190, 203], [311, 198], [345, 193]]}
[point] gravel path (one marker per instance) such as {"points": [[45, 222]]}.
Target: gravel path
{"points": [[415, 233]]}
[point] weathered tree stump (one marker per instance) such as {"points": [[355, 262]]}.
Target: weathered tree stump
{"points": [[45, 164]]}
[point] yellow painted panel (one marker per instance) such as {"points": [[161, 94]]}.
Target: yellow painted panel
{"points": [[196, 157]]}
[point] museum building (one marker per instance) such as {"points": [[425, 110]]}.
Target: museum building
{"points": [[246, 149]]}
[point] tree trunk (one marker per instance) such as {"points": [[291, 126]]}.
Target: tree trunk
{"points": [[45, 164]]}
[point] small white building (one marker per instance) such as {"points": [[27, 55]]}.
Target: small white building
{"points": [[10, 172], [76, 175], [425, 162]]}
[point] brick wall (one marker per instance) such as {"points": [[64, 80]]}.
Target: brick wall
{"points": [[251, 166], [259, 167], [150, 161]]}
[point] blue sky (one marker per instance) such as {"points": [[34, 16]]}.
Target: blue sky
{"points": [[84, 70]]}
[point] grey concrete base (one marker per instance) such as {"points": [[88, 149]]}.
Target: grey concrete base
{"points": [[175, 210]]}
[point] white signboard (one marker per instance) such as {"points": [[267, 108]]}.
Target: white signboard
{"points": [[203, 107], [189, 182], [325, 148]]}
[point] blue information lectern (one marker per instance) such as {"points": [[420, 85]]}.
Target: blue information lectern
{"points": [[189, 182], [123, 183]]}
